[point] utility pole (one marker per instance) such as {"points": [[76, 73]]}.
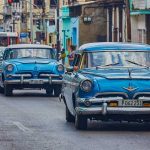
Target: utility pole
{"points": [[128, 21], [43, 22], [31, 21], [58, 42]]}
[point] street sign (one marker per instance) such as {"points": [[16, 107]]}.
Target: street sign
{"points": [[23, 35]]}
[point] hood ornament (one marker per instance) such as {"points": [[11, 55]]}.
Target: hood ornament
{"points": [[130, 88]]}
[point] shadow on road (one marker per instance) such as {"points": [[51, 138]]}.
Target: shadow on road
{"points": [[30, 93], [117, 126]]}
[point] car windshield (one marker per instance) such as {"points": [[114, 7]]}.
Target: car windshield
{"points": [[1, 53], [119, 58], [41, 53]]}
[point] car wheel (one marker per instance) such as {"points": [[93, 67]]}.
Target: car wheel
{"points": [[1, 90], [80, 122], [49, 91], [69, 116], [8, 90], [57, 90]]}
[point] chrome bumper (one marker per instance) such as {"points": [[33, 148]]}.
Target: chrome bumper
{"points": [[23, 79], [104, 109], [112, 110]]}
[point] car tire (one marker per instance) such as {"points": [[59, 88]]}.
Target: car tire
{"points": [[57, 90], [1, 90], [49, 91], [8, 90], [80, 122], [69, 116]]}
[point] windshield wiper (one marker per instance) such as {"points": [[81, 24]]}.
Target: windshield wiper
{"points": [[137, 64], [24, 57], [40, 57], [107, 65]]}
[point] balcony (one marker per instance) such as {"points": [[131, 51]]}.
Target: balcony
{"points": [[139, 7], [65, 12], [7, 11]]}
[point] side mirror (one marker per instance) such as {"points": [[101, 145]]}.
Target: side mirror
{"points": [[1, 58]]}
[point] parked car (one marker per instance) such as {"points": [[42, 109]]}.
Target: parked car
{"points": [[31, 66], [1, 59], [108, 81]]}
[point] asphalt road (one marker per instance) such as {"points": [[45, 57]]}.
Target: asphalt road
{"points": [[31, 121]]}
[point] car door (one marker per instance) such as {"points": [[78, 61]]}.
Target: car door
{"points": [[1, 59], [71, 85]]}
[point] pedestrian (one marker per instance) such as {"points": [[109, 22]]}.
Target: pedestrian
{"points": [[54, 50], [71, 55], [62, 56]]}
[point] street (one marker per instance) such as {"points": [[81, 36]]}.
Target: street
{"points": [[31, 121]]}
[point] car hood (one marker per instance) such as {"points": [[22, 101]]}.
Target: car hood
{"points": [[33, 64], [129, 81]]}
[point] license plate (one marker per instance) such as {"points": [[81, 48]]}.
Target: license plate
{"points": [[36, 82], [132, 103]]}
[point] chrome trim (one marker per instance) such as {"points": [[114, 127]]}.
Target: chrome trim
{"points": [[104, 108], [20, 75], [112, 110], [28, 81], [140, 93], [48, 75], [99, 100], [109, 93], [144, 98], [130, 88], [82, 86]]}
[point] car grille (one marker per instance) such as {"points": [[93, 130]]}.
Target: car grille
{"points": [[112, 95], [142, 95], [44, 74], [25, 73]]}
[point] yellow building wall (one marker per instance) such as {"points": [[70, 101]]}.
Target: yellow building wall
{"points": [[1, 8]]}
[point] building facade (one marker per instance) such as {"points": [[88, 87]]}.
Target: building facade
{"points": [[103, 20], [40, 28], [140, 21], [80, 18], [1, 14]]}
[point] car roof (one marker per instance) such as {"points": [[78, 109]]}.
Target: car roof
{"points": [[113, 46], [28, 46]]}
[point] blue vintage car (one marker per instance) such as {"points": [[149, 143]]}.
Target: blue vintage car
{"points": [[108, 81], [1, 59], [31, 66]]}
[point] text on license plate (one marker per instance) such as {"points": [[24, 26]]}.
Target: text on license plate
{"points": [[36, 82], [132, 103]]}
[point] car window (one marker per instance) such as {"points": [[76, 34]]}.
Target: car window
{"points": [[76, 61], [29, 53], [84, 61], [120, 58]]}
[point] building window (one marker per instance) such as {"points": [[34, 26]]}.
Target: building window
{"points": [[141, 35], [51, 22], [38, 3], [53, 3]]}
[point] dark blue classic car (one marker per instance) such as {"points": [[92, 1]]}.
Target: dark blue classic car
{"points": [[31, 66], [1, 59], [108, 81]]}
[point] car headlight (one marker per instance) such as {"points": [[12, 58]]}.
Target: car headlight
{"points": [[86, 85], [9, 68], [60, 68]]}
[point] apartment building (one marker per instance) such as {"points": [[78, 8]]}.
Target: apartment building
{"points": [[41, 28], [1, 14], [140, 21]]}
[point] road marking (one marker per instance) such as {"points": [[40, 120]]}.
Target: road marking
{"points": [[22, 127]]}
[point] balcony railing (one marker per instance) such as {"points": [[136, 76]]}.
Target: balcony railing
{"points": [[140, 4]]}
